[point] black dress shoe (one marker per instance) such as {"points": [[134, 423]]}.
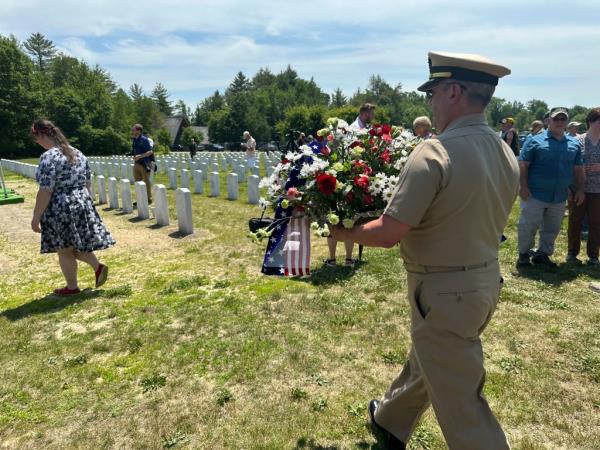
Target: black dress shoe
{"points": [[392, 442]]}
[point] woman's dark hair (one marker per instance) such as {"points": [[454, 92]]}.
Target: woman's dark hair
{"points": [[592, 116], [47, 128]]}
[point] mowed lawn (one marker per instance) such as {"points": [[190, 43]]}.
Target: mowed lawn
{"points": [[189, 346]]}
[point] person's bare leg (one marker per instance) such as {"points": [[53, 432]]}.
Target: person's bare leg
{"points": [[89, 258], [332, 244], [68, 265], [349, 245]]}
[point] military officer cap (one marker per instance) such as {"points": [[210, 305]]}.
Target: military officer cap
{"points": [[463, 67]]}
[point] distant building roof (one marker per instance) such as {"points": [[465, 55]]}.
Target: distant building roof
{"points": [[174, 125]]}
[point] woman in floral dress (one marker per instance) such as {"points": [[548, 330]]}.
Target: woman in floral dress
{"points": [[64, 212]]}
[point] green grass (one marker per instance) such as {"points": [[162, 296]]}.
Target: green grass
{"points": [[189, 346]]}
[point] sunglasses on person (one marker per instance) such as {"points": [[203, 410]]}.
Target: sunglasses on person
{"points": [[429, 92]]}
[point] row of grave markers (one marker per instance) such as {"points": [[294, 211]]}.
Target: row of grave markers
{"points": [[99, 185], [122, 166]]}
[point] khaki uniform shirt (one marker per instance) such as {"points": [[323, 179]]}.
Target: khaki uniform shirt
{"points": [[456, 193]]}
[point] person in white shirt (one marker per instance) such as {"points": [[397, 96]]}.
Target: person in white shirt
{"points": [[365, 117], [250, 149]]}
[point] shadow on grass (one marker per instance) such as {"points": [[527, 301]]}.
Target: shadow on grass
{"points": [[556, 276], [48, 304], [178, 235], [310, 444], [325, 275], [137, 219]]}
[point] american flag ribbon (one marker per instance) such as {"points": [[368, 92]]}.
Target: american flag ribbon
{"points": [[296, 250], [288, 249]]}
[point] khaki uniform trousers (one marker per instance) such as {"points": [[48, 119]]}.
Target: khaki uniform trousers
{"points": [[445, 366], [140, 174]]}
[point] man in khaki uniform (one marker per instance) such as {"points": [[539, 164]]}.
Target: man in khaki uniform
{"points": [[448, 212]]}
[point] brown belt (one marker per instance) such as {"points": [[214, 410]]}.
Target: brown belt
{"points": [[418, 268]]}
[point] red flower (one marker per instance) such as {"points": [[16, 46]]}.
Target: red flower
{"points": [[326, 151], [326, 183], [355, 144], [387, 138], [329, 137], [300, 208], [385, 129], [293, 193], [350, 197], [368, 199], [385, 156], [362, 181], [361, 166], [285, 161]]}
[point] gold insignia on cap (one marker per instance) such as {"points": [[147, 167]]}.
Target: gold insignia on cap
{"points": [[441, 75]]}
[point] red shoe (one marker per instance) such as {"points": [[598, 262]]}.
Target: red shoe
{"points": [[101, 275], [66, 291]]}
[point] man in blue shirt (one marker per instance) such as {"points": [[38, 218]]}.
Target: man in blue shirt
{"points": [[141, 151], [549, 162]]}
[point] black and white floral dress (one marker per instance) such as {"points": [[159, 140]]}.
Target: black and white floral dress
{"points": [[71, 219]]}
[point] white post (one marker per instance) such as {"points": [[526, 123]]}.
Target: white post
{"points": [[93, 187], [183, 199], [101, 190], [142, 200], [161, 207], [198, 182], [253, 191], [126, 203], [232, 186], [113, 196], [214, 184]]}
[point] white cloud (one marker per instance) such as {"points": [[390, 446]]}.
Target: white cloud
{"points": [[195, 47]]}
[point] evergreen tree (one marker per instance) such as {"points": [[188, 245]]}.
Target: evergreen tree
{"points": [[209, 105], [263, 78], [239, 85], [181, 109], [40, 48], [136, 92], [18, 103], [338, 98], [160, 95]]}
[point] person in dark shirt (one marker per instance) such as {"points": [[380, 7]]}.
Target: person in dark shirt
{"points": [[509, 134], [142, 153], [193, 148]]}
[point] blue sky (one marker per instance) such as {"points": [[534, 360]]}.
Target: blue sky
{"points": [[196, 47]]}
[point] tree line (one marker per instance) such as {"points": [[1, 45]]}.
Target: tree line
{"points": [[96, 114]]}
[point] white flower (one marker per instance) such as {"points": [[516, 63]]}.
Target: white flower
{"points": [[265, 182], [388, 193], [318, 165], [306, 150], [263, 202]]}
